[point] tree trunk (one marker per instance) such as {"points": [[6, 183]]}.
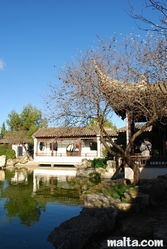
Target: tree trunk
{"points": [[27, 152], [135, 169]]}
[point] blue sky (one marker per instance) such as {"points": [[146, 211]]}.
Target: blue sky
{"points": [[35, 35]]}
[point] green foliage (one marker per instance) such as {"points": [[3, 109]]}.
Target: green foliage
{"points": [[9, 153], [116, 191], [3, 149], [119, 190], [98, 163], [3, 130], [29, 120], [23, 125], [95, 178], [14, 120], [107, 123]]}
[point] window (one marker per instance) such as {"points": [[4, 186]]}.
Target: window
{"points": [[72, 147], [55, 146], [93, 145], [41, 146]]}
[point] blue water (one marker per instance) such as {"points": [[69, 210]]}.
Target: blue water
{"points": [[25, 223]]}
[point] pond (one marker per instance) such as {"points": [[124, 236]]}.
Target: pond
{"points": [[32, 205]]}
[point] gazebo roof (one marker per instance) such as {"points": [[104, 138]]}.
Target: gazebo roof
{"points": [[118, 92]]}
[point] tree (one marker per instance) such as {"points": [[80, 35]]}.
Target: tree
{"points": [[3, 130], [107, 123], [22, 126], [134, 67], [144, 63], [77, 99], [156, 7]]}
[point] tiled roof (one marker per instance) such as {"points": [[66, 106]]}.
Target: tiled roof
{"points": [[137, 127], [71, 132]]}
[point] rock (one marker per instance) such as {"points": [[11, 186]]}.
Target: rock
{"points": [[111, 164], [23, 160], [120, 181], [83, 165], [3, 161], [76, 232], [106, 175], [111, 170], [84, 169], [9, 162], [99, 201], [82, 172], [160, 232], [157, 191], [100, 170], [131, 193], [125, 209], [140, 225]]}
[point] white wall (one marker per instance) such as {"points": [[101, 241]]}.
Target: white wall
{"points": [[146, 172], [15, 147]]}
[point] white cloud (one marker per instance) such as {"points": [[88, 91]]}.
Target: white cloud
{"points": [[2, 64]]}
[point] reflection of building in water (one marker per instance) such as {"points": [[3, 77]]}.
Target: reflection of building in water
{"points": [[51, 178], [20, 176]]}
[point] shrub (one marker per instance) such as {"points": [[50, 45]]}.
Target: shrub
{"points": [[3, 149], [9, 153], [98, 163], [120, 189], [95, 178]]}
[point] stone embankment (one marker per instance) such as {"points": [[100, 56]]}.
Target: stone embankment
{"points": [[84, 169], [18, 162], [142, 215]]}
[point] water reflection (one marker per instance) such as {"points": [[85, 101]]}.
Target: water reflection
{"points": [[27, 194], [19, 201], [56, 186]]}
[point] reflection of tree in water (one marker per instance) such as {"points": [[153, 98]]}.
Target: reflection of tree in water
{"points": [[20, 202], [24, 202]]}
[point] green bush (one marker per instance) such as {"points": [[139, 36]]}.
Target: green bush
{"points": [[120, 189], [98, 163], [3, 149], [9, 153]]}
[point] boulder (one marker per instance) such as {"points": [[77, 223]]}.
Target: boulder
{"points": [[140, 225], [99, 201], [106, 175], [76, 232], [133, 195], [85, 172], [100, 170], [111, 164], [13, 162], [83, 165], [125, 209], [3, 161], [111, 170], [157, 190]]}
